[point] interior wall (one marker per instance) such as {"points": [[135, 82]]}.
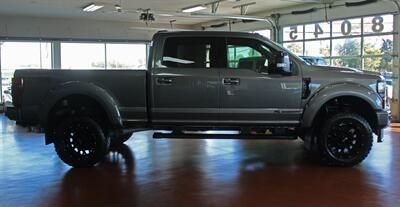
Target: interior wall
{"points": [[58, 28]]}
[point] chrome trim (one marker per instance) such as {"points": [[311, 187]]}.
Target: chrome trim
{"points": [[133, 109], [228, 121], [229, 110], [134, 120]]}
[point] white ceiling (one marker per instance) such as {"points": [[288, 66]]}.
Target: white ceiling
{"points": [[72, 8]]}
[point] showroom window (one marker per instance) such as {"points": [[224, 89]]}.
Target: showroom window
{"points": [[363, 43], [126, 56], [266, 33], [83, 56], [103, 56], [36, 55]]}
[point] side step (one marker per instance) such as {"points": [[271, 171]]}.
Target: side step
{"points": [[159, 135]]}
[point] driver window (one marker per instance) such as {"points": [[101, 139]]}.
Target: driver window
{"points": [[250, 54]]}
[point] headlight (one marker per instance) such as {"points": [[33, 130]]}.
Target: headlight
{"points": [[381, 88]]}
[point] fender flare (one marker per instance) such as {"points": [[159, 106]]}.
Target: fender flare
{"points": [[91, 90], [332, 91]]}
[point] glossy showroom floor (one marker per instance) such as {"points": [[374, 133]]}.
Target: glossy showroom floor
{"points": [[147, 172]]}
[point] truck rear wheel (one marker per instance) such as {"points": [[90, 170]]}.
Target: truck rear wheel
{"points": [[81, 142], [345, 140]]}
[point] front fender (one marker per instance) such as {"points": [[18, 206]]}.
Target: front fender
{"points": [[81, 88], [330, 92]]}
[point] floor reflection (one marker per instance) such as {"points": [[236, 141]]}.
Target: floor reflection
{"points": [[110, 183]]}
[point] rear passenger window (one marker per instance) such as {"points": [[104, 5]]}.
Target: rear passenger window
{"points": [[193, 52]]}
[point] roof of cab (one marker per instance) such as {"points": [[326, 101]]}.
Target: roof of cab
{"points": [[206, 33]]}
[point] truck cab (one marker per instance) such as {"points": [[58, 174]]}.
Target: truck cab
{"points": [[225, 79]]}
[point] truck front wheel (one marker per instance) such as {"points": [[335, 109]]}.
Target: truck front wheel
{"points": [[345, 140], [81, 142]]}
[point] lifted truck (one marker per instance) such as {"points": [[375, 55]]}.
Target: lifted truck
{"points": [[202, 81]]}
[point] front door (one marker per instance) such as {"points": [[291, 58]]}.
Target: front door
{"points": [[253, 91], [185, 81]]}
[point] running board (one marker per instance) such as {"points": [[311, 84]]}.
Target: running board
{"points": [[158, 135]]}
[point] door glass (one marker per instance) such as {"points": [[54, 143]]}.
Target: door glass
{"points": [[236, 53], [192, 52], [250, 54]]}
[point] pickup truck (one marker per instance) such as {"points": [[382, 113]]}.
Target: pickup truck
{"points": [[199, 81]]}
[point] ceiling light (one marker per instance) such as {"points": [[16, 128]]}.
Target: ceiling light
{"points": [[193, 8], [92, 7]]}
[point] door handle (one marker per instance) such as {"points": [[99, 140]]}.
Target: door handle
{"points": [[231, 81], [164, 81]]}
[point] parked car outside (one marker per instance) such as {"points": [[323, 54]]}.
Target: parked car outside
{"points": [[313, 60]]}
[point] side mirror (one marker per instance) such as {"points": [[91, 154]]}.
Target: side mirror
{"points": [[283, 63]]}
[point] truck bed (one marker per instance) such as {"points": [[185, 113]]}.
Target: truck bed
{"points": [[127, 88]]}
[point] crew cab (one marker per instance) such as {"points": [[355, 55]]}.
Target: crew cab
{"points": [[199, 81]]}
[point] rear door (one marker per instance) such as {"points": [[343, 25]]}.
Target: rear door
{"points": [[185, 81], [253, 91]]}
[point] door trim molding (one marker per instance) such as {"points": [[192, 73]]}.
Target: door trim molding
{"points": [[229, 110], [262, 111]]}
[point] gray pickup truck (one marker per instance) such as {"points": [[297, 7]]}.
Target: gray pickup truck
{"points": [[198, 81]]}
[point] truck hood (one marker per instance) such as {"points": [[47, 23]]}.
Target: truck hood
{"points": [[326, 75], [346, 72]]}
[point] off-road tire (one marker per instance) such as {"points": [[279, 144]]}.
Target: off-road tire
{"points": [[345, 140], [80, 142]]}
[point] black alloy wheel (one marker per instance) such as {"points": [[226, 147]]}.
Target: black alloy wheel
{"points": [[81, 142], [346, 140]]}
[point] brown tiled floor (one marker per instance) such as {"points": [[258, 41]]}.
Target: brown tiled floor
{"points": [[147, 172]]}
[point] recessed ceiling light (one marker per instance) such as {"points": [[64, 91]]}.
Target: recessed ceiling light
{"points": [[193, 8], [92, 7]]}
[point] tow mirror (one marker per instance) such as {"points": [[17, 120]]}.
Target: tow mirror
{"points": [[283, 63]]}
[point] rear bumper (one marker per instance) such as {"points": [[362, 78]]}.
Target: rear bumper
{"points": [[12, 113]]}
